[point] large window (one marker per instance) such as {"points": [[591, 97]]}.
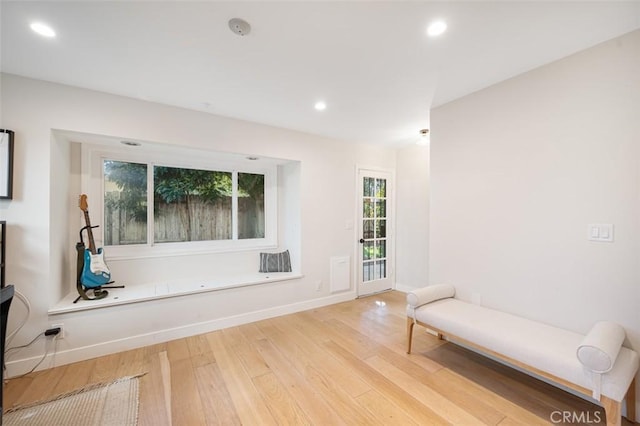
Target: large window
{"points": [[150, 205], [184, 205]]}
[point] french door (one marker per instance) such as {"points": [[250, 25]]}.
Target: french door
{"points": [[375, 226]]}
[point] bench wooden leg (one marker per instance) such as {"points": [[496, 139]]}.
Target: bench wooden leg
{"points": [[631, 401], [410, 325], [612, 410]]}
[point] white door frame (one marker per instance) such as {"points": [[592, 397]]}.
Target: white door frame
{"points": [[389, 283]]}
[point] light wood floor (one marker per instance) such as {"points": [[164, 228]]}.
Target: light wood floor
{"points": [[341, 364]]}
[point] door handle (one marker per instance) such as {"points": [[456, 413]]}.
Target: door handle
{"points": [[361, 240]]}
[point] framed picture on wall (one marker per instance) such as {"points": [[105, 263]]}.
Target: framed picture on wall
{"points": [[6, 164]]}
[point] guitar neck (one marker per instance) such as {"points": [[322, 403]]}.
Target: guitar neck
{"points": [[92, 244]]}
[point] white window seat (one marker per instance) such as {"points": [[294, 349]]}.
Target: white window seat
{"points": [[147, 292]]}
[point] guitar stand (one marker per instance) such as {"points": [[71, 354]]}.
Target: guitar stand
{"points": [[98, 292]]}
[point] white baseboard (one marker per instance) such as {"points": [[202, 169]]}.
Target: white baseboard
{"points": [[21, 366], [405, 288]]}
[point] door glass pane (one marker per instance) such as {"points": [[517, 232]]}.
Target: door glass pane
{"points": [[367, 229], [368, 250], [367, 208], [381, 208], [380, 270], [125, 203], [381, 188], [381, 228], [368, 189], [367, 271], [381, 249]]}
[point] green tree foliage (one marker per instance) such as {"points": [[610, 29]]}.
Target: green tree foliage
{"points": [[131, 180], [250, 185], [178, 185], [172, 184]]}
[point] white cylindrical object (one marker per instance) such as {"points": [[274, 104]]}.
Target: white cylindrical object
{"points": [[600, 347]]}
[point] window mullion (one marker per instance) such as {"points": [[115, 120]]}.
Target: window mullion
{"points": [[150, 205], [103, 213], [234, 205]]}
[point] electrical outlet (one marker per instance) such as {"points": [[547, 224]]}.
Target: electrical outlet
{"points": [[318, 285], [61, 334]]}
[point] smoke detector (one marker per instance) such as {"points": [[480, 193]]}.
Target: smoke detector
{"points": [[239, 26]]}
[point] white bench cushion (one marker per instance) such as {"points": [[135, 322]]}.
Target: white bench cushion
{"points": [[546, 348]]}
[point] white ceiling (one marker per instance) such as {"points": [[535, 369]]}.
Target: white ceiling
{"points": [[371, 62]]}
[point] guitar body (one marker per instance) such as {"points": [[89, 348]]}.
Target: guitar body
{"points": [[94, 271]]}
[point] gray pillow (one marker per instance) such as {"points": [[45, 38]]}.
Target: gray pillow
{"points": [[275, 262]]}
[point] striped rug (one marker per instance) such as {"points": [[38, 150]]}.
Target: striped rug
{"points": [[114, 403]]}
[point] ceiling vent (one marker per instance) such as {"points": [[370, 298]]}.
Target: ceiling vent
{"points": [[239, 26]]}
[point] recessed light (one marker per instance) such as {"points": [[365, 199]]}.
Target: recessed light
{"points": [[43, 29], [320, 106], [436, 28], [130, 143]]}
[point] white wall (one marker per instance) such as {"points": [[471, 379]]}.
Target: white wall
{"points": [[412, 217], [43, 192], [520, 169]]}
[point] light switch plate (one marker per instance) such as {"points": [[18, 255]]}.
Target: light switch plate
{"points": [[601, 232]]}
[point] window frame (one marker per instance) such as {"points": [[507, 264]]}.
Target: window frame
{"points": [[92, 184]]}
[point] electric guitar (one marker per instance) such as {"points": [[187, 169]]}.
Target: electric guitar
{"points": [[95, 272]]}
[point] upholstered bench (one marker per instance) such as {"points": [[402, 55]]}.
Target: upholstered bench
{"points": [[595, 365]]}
